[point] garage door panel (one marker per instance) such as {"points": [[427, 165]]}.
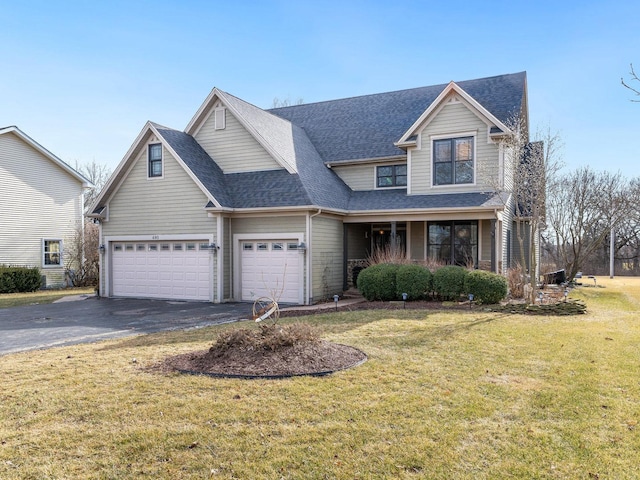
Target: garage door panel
{"points": [[274, 271], [171, 270]]}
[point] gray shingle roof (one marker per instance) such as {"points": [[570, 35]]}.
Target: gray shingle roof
{"points": [[367, 126], [199, 162], [399, 200], [309, 135]]}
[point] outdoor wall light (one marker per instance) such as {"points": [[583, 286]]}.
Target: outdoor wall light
{"points": [[102, 248], [335, 299], [302, 246]]}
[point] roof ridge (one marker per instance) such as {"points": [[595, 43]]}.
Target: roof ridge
{"points": [[443, 85]]}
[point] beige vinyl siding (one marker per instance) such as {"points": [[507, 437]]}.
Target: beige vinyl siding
{"points": [[417, 241], [455, 119], [358, 241], [485, 240], [228, 262], [38, 200], [357, 177], [269, 224], [233, 148], [173, 204], [326, 250]]}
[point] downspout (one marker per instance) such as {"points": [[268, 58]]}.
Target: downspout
{"points": [[309, 256], [219, 260]]}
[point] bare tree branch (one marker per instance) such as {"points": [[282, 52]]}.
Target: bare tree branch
{"points": [[634, 78]]}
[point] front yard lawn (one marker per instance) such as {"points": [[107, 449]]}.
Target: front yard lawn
{"points": [[41, 296], [444, 394]]}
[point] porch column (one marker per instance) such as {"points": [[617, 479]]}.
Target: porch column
{"points": [[345, 257], [494, 266]]}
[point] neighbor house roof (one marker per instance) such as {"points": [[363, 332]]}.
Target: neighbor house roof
{"points": [[46, 153]]}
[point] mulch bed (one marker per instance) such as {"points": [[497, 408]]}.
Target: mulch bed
{"points": [[308, 358]]}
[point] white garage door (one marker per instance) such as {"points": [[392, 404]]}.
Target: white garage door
{"points": [[174, 270], [271, 268]]}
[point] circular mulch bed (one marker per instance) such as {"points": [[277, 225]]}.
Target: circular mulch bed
{"points": [[308, 358]]}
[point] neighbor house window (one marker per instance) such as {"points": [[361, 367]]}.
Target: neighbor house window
{"points": [[52, 253], [391, 176], [453, 243], [453, 161], [155, 160]]}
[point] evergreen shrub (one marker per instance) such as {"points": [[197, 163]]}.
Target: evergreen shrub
{"points": [[415, 281], [19, 279], [448, 282], [486, 287], [378, 282]]}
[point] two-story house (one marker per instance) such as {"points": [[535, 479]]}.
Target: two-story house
{"points": [[41, 206], [247, 202]]}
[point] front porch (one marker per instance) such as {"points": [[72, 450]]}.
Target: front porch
{"points": [[472, 243]]}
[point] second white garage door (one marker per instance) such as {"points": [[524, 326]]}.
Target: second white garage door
{"points": [[271, 268], [173, 270]]}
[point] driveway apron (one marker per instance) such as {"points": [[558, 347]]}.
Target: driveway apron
{"points": [[66, 323]]}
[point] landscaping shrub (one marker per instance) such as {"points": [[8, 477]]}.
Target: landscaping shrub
{"points": [[378, 282], [448, 282], [268, 337], [516, 281], [19, 279], [414, 280], [486, 287]]}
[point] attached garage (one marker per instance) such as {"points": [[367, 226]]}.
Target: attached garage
{"points": [[178, 270], [271, 268]]}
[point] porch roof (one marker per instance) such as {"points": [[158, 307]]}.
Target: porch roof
{"points": [[398, 199]]}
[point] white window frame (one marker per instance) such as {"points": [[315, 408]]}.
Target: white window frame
{"points": [[44, 253]]}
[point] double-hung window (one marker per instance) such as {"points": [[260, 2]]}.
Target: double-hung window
{"points": [[391, 176], [52, 253], [155, 160], [453, 161]]}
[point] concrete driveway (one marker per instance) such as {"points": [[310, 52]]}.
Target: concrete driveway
{"points": [[92, 319]]}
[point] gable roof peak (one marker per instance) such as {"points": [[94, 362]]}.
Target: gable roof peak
{"points": [[46, 153]]}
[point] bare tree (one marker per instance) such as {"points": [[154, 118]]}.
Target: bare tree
{"points": [[96, 173], [82, 256], [529, 170], [585, 207], [81, 250], [287, 102], [634, 78]]}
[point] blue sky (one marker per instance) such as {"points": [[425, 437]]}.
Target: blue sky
{"points": [[82, 78]]}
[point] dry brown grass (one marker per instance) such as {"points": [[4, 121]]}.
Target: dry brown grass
{"points": [[450, 394]]}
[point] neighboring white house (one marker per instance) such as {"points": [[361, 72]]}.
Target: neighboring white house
{"points": [[41, 205], [247, 202]]}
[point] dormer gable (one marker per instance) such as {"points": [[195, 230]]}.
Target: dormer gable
{"points": [[451, 94], [271, 133], [182, 148]]}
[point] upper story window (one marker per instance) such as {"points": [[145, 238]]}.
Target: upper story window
{"points": [[52, 253], [155, 160], [453, 161], [391, 176]]}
